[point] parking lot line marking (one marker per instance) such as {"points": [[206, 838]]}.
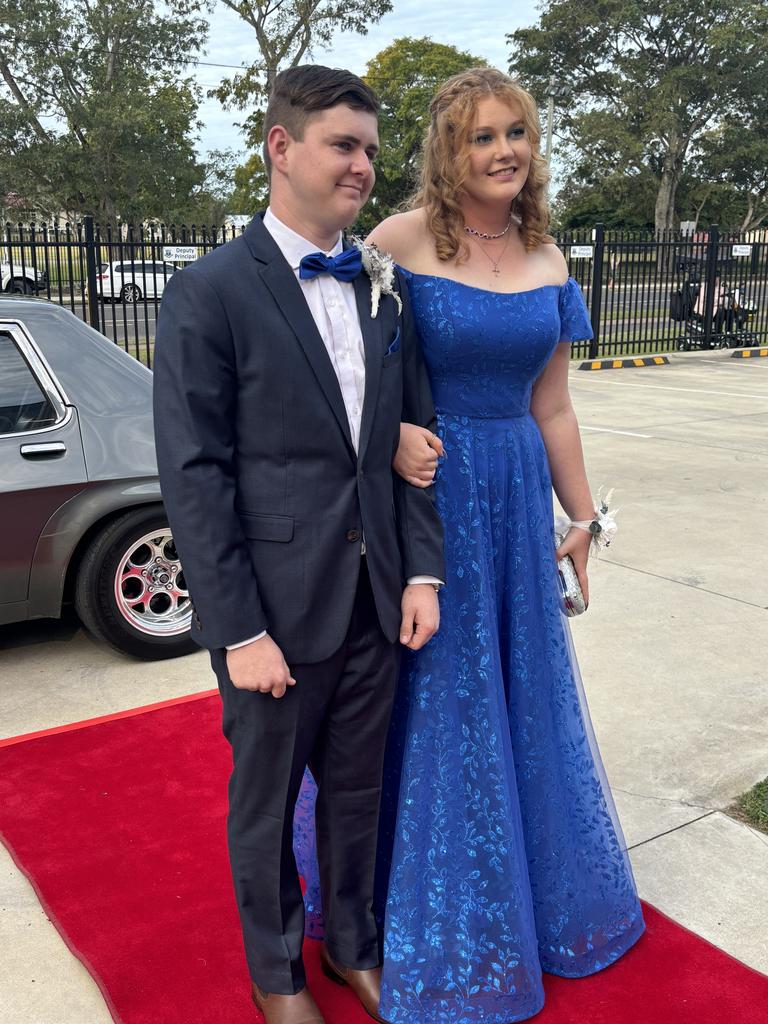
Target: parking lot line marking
{"points": [[666, 387], [607, 430]]}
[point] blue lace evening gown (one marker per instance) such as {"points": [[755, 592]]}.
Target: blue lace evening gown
{"points": [[501, 854]]}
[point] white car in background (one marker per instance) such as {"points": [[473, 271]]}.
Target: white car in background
{"points": [[133, 280], [23, 280]]}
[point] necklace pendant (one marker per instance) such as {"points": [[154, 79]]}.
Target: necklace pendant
{"points": [[496, 271]]}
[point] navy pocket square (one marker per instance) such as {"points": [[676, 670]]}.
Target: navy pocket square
{"points": [[394, 347]]}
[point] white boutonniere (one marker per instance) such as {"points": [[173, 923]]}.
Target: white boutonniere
{"points": [[380, 268]]}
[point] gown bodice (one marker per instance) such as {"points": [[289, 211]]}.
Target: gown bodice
{"points": [[484, 349]]}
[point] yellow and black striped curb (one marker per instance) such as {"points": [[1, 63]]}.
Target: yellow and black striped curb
{"points": [[749, 353], [619, 364]]}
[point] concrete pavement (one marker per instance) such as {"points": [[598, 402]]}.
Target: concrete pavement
{"points": [[672, 652]]}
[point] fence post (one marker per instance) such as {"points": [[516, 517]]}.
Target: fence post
{"points": [[90, 272], [713, 244], [596, 302]]}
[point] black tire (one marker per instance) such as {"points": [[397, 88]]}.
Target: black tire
{"points": [[148, 629], [130, 294], [21, 286]]}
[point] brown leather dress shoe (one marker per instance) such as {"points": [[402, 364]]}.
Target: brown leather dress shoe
{"points": [[300, 1008], [365, 984]]}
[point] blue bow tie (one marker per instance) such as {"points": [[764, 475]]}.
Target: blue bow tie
{"points": [[344, 267]]}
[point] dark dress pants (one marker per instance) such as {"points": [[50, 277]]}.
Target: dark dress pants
{"points": [[335, 720]]}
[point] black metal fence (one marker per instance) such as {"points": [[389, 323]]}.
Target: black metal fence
{"points": [[113, 277], [646, 293], [650, 293]]}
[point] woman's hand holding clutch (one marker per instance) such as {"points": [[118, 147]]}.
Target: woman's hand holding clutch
{"points": [[417, 454], [576, 544]]}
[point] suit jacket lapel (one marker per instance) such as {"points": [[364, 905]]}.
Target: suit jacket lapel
{"points": [[286, 290], [373, 343]]}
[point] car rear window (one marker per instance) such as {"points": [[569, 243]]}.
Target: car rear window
{"points": [[23, 403]]}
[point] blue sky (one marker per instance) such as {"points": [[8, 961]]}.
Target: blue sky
{"points": [[478, 27]]}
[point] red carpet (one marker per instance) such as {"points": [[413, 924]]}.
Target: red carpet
{"points": [[120, 827]]}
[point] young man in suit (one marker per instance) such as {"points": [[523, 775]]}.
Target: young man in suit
{"points": [[278, 400]]}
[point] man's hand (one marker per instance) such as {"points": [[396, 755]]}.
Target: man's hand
{"points": [[259, 666], [421, 615]]}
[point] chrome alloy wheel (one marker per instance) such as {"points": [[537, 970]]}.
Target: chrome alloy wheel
{"points": [[150, 589]]}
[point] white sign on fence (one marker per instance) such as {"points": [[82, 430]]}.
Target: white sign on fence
{"points": [[741, 250], [581, 252], [180, 253]]}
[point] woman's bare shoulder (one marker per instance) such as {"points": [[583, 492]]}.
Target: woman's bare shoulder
{"points": [[554, 261], [401, 235]]}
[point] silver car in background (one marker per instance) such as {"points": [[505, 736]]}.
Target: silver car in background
{"points": [[81, 515]]}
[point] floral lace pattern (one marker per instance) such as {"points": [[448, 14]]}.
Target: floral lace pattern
{"points": [[501, 853]]}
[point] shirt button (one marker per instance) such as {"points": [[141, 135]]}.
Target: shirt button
{"points": [[353, 535]]}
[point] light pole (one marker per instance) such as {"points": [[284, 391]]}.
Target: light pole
{"points": [[551, 93], [554, 92]]}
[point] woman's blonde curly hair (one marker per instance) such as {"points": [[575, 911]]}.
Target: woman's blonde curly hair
{"points": [[445, 161]]}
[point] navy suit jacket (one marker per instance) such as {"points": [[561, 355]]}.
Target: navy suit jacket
{"points": [[266, 497]]}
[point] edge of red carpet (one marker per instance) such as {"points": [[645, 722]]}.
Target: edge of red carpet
{"points": [[62, 933], [10, 741], [707, 942]]}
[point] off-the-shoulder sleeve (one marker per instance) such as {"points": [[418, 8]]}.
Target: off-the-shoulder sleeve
{"points": [[574, 316]]}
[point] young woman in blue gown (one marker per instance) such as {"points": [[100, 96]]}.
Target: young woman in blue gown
{"points": [[501, 852]]}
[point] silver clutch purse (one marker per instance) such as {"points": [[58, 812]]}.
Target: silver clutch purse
{"points": [[573, 598]]}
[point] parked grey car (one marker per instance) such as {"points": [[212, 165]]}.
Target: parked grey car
{"points": [[81, 516]]}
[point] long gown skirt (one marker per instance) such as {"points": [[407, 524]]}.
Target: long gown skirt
{"points": [[501, 853]]}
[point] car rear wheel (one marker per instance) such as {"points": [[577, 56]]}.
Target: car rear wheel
{"points": [[130, 589], [21, 286], [131, 293]]}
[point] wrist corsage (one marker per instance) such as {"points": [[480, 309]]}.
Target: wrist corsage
{"points": [[602, 526], [380, 268]]}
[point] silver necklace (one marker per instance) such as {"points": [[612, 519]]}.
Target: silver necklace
{"points": [[494, 263], [484, 234]]}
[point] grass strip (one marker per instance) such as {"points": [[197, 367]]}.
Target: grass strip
{"points": [[752, 807]]}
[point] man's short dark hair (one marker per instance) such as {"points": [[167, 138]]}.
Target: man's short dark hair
{"points": [[300, 92]]}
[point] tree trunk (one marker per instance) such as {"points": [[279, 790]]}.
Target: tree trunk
{"points": [[671, 171], [665, 199]]}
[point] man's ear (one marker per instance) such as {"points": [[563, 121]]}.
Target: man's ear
{"points": [[278, 143]]}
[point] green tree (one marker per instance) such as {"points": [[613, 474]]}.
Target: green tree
{"points": [[734, 159], [251, 186], [656, 74], [286, 33], [405, 76], [209, 200], [94, 107]]}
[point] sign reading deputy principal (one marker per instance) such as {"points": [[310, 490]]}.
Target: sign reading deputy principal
{"points": [[180, 253]]}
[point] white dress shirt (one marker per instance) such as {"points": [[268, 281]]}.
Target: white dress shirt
{"points": [[334, 309]]}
